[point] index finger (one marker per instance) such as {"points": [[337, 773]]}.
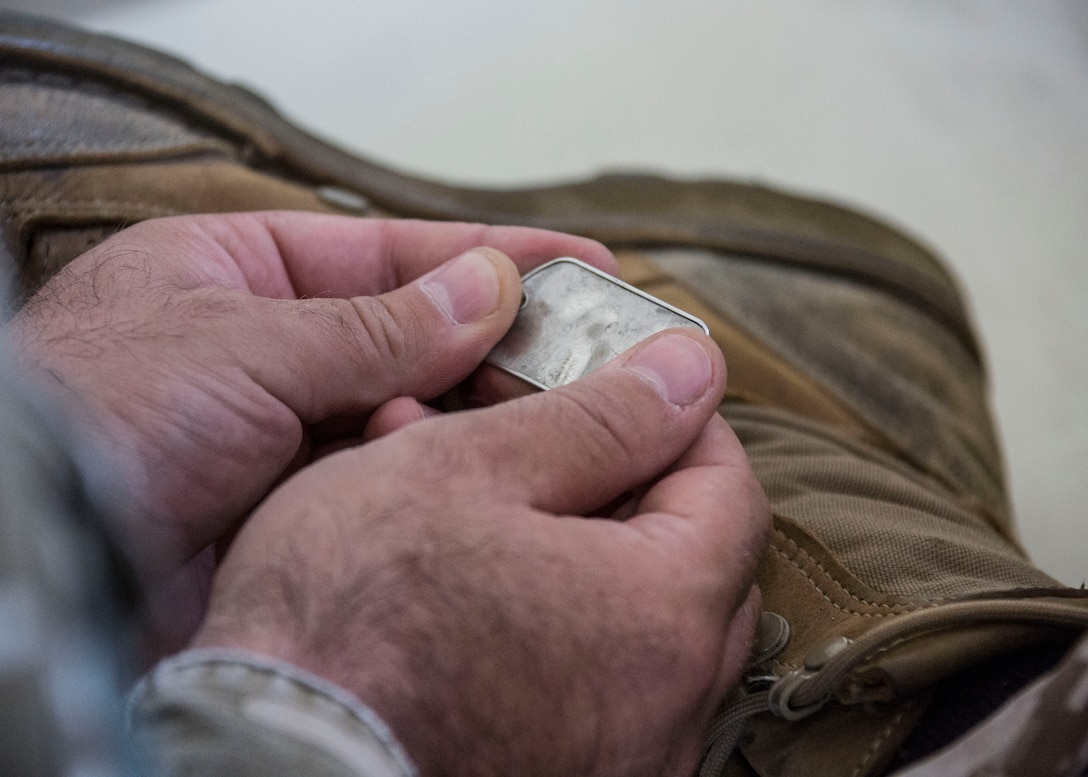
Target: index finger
{"points": [[338, 256]]}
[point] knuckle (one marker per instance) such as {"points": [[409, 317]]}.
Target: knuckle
{"points": [[371, 327], [608, 429]]}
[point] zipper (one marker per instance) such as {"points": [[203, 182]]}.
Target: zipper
{"points": [[837, 668]]}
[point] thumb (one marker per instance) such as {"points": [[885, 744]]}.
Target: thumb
{"points": [[575, 448], [416, 341]]}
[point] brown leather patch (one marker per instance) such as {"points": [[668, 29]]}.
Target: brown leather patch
{"points": [[55, 215]]}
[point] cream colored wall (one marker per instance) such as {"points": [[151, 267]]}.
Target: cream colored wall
{"points": [[965, 122]]}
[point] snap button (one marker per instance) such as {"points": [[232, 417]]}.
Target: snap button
{"points": [[772, 635]]}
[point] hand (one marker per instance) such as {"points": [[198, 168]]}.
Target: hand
{"points": [[209, 352], [445, 574]]}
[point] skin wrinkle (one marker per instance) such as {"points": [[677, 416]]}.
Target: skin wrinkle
{"points": [[193, 426], [236, 240], [391, 272], [251, 408], [292, 286], [619, 442], [289, 323], [615, 445], [283, 271], [382, 341]]}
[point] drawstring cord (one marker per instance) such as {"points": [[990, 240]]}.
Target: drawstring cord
{"points": [[727, 728]]}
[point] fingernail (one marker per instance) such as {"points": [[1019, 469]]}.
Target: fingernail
{"points": [[677, 366], [465, 289]]}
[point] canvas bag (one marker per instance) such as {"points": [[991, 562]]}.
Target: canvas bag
{"points": [[856, 382]]}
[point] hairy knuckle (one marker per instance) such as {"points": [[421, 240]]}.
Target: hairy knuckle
{"points": [[379, 333]]}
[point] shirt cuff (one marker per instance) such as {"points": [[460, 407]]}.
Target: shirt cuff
{"points": [[232, 712]]}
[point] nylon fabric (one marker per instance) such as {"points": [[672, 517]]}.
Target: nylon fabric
{"points": [[897, 531]]}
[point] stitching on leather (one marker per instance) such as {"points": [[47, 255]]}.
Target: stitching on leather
{"points": [[797, 551], [881, 737], [833, 603]]}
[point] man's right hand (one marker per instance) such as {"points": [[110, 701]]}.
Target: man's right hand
{"points": [[464, 574]]}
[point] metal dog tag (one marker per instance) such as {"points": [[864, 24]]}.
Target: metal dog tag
{"points": [[574, 318]]}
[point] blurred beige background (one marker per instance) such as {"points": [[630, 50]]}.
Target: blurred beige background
{"points": [[963, 121]]}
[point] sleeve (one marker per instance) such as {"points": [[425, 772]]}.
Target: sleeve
{"points": [[64, 599], [237, 713]]}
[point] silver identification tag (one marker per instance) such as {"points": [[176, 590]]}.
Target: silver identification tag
{"points": [[575, 318]]}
